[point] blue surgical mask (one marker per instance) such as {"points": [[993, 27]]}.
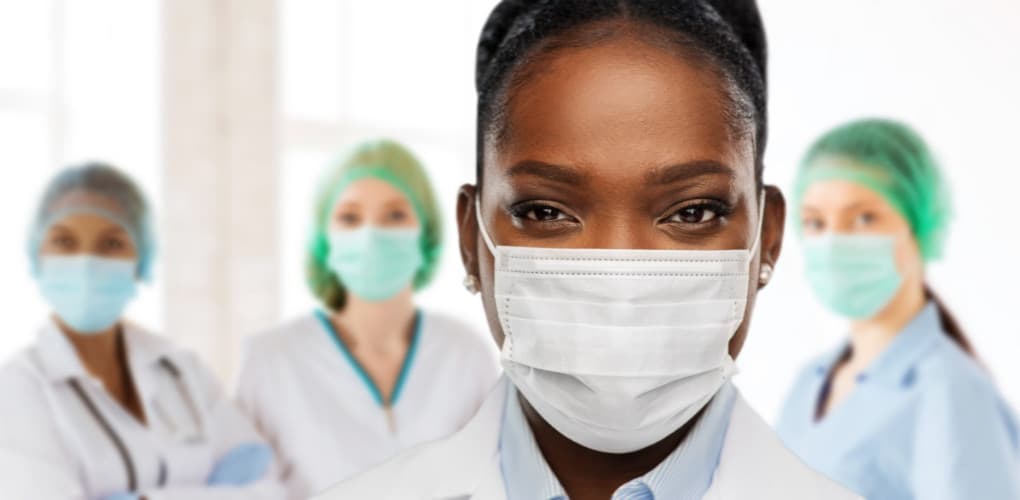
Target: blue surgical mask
{"points": [[853, 275], [88, 293], [373, 263]]}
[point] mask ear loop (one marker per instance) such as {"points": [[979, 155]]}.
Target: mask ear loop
{"points": [[761, 222], [481, 224]]}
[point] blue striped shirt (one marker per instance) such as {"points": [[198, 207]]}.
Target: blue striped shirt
{"points": [[685, 474]]}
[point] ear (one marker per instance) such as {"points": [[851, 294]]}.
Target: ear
{"points": [[773, 226], [467, 226]]}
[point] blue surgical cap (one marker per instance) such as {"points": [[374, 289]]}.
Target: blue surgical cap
{"points": [[96, 189]]}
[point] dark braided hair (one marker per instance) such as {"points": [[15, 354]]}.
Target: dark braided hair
{"points": [[727, 33]]}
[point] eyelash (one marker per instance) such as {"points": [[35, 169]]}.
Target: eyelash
{"points": [[521, 210], [719, 209]]}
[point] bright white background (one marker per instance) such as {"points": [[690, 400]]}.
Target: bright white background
{"points": [[82, 80]]}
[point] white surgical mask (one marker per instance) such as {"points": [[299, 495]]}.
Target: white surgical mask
{"points": [[617, 349]]}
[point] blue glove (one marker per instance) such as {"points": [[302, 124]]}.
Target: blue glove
{"points": [[242, 465], [122, 496]]}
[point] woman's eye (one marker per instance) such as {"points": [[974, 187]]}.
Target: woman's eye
{"points": [[813, 225], [63, 242], [544, 214], [112, 245], [697, 214], [348, 219], [542, 219], [397, 216], [865, 219], [538, 213]]}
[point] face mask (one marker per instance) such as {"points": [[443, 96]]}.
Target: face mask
{"points": [[855, 276], [88, 293], [617, 349], [373, 263]]}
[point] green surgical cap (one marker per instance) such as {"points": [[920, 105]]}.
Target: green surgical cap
{"points": [[387, 161], [891, 159]]}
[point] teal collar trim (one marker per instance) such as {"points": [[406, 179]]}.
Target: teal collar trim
{"points": [[362, 374]]}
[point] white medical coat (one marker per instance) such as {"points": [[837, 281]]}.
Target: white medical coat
{"points": [[754, 465], [311, 401], [53, 446]]}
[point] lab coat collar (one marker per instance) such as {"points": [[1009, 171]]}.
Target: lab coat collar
{"points": [[477, 475], [753, 464], [57, 357], [60, 362], [895, 366]]}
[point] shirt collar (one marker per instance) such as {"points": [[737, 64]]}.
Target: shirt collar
{"points": [[60, 362], [685, 474], [526, 473], [895, 365]]}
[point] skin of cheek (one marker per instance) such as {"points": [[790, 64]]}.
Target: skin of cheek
{"points": [[907, 252], [908, 259]]}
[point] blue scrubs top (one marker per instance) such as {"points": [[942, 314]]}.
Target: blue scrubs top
{"points": [[924, 422]]}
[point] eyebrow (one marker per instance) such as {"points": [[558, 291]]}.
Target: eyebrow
{"points": [[687, 170], [402, 201], [852, 206], [556, 173], [114, 230]]}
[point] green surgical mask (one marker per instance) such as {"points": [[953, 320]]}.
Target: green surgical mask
{"points": [[853, 275], [375, 263]]}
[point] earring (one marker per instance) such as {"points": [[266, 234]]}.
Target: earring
{"points": [[471, 284], [765, 275]]}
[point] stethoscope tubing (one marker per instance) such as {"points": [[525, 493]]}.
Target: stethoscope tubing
{"points": [[117, 441]]}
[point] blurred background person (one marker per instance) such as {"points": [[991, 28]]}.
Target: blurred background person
{"points": [[903, 409], [348, 386], [101, 406]]}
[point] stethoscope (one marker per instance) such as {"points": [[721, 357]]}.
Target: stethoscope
{"points": [[118, 442]]}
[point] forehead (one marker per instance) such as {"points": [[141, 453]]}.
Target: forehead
{"points": [[370, 190], [623, 102], [839, 194], [85, 222]]}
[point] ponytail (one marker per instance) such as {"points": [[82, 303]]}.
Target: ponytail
{"points": [[949, 323]]}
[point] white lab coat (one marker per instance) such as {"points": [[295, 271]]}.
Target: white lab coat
{"points": [[53, 447], [754, 465], [313, 405]]}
